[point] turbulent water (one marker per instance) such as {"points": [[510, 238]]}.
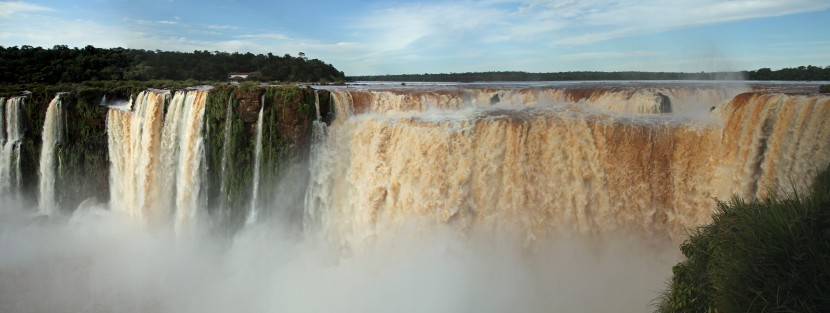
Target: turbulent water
{"points": [[10, 153], [158, 160], [52, 132], [493, 198], [542, 161]]}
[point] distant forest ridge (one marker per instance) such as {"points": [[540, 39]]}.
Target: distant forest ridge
{"points": [[801, 73], [61, 64]]}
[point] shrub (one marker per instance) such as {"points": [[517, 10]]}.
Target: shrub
{"points": [[824, 89], [756, 256]]}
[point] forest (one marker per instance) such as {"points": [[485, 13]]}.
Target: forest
{"points": [[801, 73], [61, 64]]}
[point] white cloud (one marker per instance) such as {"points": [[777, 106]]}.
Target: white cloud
{"points": [[11, 8], [608, 55], [566, 22], [220, 26], [49, 31], [156, 22], [440, 30]]}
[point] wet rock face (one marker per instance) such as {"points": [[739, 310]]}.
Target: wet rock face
{"points": [[293, 123], [664, 103], [249, 104], [494, 99]]}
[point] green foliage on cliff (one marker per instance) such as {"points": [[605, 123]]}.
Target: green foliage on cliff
{"points": [[758, 256], [61, 64], [286, 125], [824, 89], [82, 149], [82, 153]]}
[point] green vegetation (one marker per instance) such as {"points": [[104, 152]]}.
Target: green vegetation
{"points": [[82, 152], [824, 89], [61, 64], [768, 255], [809, 73], [287, 115], [82, 149]]}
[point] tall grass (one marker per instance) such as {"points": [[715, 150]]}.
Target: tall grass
{"points": [[769, 255]]}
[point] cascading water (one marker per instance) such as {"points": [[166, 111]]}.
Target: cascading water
{"points": [[223, 184], [51, 137], [2, 121], [319, 177], [421, 189], [157, 164], [10, 154], [317, 105], [253, 212], [543, 168]]}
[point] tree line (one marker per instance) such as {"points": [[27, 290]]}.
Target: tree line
{"points": [[61, 64], [808, 73]]}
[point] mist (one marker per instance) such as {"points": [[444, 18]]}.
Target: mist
{"points": [[98, 260]]}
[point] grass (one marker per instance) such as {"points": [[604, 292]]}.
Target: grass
{"points": [[769, 255], [824, 89]]}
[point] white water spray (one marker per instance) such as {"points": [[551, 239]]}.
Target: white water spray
{"points": [[157, 166], [224, 211], [253, 213], [2, 122], [10, 171], [51, 137], [317, 104]]}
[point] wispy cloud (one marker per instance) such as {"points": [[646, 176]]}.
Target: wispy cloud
{"points": [[560, 28], [10, 8], [152, 22], [403, 26], [219, 27], [608, 55], [563, 22]]}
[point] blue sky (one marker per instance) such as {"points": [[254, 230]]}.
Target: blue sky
{"points": [[393, 37]]}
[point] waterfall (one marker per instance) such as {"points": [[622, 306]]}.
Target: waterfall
{"points": [[321, 160], [51, 137], [546, 166], [224, 211], [253, 213], [2, 122], [158, 164], [134, 135], [10, 171], [317, 105]]}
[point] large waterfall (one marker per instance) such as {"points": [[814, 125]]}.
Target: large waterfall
{"points": [[158, 160], [383, 198], [545, 161]]}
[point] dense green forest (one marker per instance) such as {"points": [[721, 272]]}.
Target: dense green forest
{"points": [[808, 73], [61, 64]]}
